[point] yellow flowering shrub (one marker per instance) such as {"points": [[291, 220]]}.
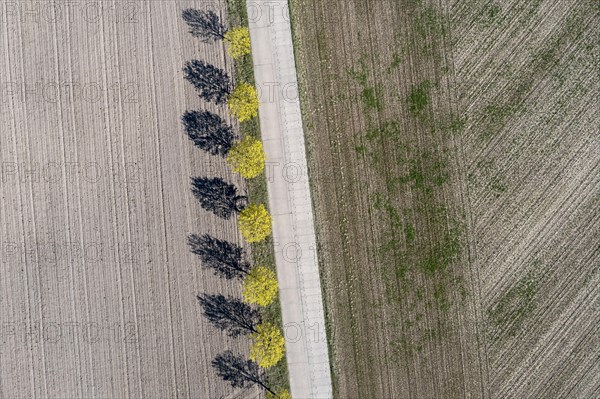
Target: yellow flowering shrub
{"points": [[247, 157], [281, 394], [260, 286], [254, 223], [238, 42], [243, 102], [268, 346]]}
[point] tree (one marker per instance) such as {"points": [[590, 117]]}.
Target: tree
{"points": [[260, 286], [204, 24], [243, 102], [208, 132], [281, 394], [268, 347], [238, 41], [226, 259], [255, 223], [229, 314], [247, 157], [212, 83], [218, 196], [239, 372]]}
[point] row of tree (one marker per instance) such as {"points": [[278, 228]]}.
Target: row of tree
{"points": [[245, 156]]}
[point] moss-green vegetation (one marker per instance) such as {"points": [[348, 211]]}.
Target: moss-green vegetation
{"points": [[493, 118], [370, 95], [372, 98], [422, 242], [490, 14], [262, 252], [421, 236], [508, 315], [427, 31], [396, 60], [418, 98]]}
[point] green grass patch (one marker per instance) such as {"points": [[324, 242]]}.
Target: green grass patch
{"points": [[510, 313], [372, 98], [429, 22], [361, 150], [359, 74], [409, 233], [418, 98], [442, 253], [427, 31], [396, 61], [490, 15], [420, 244]]}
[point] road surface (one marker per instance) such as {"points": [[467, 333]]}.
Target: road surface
{"points": [[290, 200]]}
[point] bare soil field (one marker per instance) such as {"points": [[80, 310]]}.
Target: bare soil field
{"points": [[97, 285], [389, 200], [454, 152], [527, 82]]}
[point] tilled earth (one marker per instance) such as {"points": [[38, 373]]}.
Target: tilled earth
{"points": [[454, 157], [98, 287]]}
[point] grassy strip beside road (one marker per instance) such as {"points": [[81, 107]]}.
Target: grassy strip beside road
{"points": [[262, 252]]}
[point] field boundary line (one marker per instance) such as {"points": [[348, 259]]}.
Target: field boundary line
{"points": [[472, 255]]}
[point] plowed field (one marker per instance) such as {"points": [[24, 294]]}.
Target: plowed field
{"points": [[97, 285], [455, 159]]}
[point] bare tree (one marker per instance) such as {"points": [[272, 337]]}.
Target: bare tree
{"points": [[229, 314], [226, 259], [204, 24], [209, 132], [212, 83], [239, 372], [218, 196]]}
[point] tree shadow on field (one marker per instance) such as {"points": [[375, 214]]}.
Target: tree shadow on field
{"points": [[208, 132], [226, 259], [239, 372], [218, 196], [229, 314]]}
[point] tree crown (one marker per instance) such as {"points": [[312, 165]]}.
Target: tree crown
{"points": [[208, 132], [254, 223], [268, 347], [217, 196], [229, 314], [238, 42], [212, 83], [247, 157], [226, 259], [260, 286], [205, 25], [243, 102]]}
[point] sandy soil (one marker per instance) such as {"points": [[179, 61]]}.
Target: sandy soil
{"points": [[97, 286]]}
